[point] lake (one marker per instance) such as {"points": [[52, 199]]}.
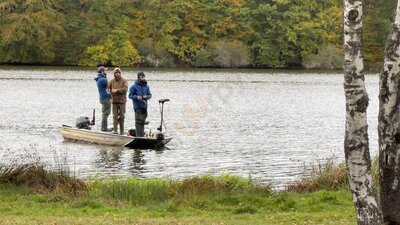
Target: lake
{"points": [[271, 126]]}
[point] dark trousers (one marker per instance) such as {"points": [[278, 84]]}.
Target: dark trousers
{"points": [[105, 112], [140, 119], [118, 110]]}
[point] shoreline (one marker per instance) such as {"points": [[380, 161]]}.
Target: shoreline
{"points": [[32, 195]]}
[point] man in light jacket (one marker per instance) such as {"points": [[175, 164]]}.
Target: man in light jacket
{"points": [[118, 88], [140, 93]]}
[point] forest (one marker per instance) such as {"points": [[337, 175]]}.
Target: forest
{"points": [[183, 33]]}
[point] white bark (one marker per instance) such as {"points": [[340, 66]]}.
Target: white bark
{"points": [[356, 143], [389, 126]]}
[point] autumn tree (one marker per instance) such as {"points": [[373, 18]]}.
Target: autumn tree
{"points": [[115, 50], [27, 35]]}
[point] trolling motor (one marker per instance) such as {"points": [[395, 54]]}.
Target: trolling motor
{"points": [[161, 102], [160, 135]]}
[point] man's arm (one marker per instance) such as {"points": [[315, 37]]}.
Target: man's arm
{"points": [[132, 92], [148, 94], [103, 83], [124, 88]]}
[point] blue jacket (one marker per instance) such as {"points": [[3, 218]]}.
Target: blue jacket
{"points": [[102, 83], [139, 89]]}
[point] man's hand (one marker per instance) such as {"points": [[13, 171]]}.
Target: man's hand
{"points": [[114, 91], [140, 97]]}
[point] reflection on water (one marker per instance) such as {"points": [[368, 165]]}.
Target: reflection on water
{"points": [[137, 162], [262, 124], [109, 158], [112, 160]]}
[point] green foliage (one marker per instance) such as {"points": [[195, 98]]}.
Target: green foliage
{"points": [[200, 33], [27, 35], [21, 206], [116, 50]]}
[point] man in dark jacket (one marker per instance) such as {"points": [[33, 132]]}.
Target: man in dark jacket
{"points": [[140, 93], [105, 96]]}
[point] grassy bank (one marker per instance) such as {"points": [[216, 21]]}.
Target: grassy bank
{"points": [[55, 199]]}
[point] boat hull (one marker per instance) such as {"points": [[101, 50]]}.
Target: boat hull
{"points": [[147, 143], [105, 138], [97, 137]]}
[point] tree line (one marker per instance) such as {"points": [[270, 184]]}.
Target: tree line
{"points": [[182, 33]]}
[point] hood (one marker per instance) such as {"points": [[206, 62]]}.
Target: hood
{"points": [[100, 75]]}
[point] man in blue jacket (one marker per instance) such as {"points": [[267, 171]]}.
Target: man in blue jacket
{"points": [[140, 93], [105, 96]]}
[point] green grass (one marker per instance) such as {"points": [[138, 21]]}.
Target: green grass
{"points": [[230, 201], [30, 194]]}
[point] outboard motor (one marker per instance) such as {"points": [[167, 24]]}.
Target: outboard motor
{"points": [[132, 132], [83, 122]]}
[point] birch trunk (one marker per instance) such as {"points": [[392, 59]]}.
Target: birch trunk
{"points": [[356, 144], [389, 127]]}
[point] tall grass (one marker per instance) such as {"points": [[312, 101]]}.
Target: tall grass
{"points": [[327, 176], [133, 190], [37, 177], [138, 191], [330, 176]]}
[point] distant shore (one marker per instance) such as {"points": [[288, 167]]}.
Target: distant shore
{"points": [[374, 69]]}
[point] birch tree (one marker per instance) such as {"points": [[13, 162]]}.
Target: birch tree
{"points": [[389, 126], [356, 144]]}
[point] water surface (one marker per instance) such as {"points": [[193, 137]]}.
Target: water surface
{"points": [[267, 125]]}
